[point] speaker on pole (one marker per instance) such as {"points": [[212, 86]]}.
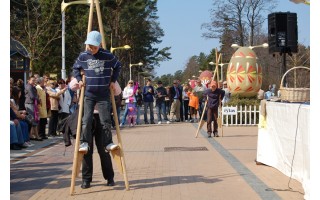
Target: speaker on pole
{"points": [[282, 32]]}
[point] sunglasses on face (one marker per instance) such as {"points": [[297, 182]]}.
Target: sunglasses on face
{"points": [[130, 83]]}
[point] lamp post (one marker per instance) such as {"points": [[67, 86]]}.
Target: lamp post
{"points": [[264, 45], [131, 65], [125, 47], [301, 1], [63, 13], [221, 65]]}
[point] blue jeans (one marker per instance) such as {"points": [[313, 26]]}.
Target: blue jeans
{"points": [[103, 105], [150, 105], [16, 136], [138, 114], [161, 109], [25, 130], [125, 113]]}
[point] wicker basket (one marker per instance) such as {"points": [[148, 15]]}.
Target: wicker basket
{"points": [[294, 94]]}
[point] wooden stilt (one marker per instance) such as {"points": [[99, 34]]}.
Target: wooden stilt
{"points": [[115, 155], [78, 156], [201, 122]]}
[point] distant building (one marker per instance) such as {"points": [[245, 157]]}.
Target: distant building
{"points": [[19, 61]]}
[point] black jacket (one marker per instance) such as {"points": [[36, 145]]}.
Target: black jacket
{"points": [[172, 93]]}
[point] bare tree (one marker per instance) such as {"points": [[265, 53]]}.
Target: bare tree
{"points": [[237, 19], [255, 12], [35, 29]]}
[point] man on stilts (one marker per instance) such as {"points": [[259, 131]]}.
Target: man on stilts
{"points": [[101, 69]]}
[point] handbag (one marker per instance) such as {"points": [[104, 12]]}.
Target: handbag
{"points": [[29, 119], [36, 111]]}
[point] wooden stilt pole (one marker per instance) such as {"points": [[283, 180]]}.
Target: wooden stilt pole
{"points": [[113, 105], [78, 156], [201, 122]]}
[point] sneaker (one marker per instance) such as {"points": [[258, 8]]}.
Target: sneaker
{"points": [[152, 122], [191, 121], [110, 183], [159, 122], [84, 147], [25, 145], [29, 144], [168, 122], [216, 134], [121, 125], [112, 146], [146, 122]]}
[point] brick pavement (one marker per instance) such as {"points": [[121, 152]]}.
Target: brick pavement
{"points": [[225, 171]]}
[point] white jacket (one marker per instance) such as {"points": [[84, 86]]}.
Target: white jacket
{"points": [[64, 101], [127, 92]]}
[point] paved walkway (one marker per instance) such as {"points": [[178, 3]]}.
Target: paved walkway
{"points": [[203, 168]]}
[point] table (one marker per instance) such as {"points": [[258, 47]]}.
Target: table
{"points": [[283, 139]]}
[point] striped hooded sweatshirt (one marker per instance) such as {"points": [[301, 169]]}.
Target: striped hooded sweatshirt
{"points": [[100, 69]]}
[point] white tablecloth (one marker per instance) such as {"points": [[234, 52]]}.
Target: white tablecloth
{"points": [[283, 137]]}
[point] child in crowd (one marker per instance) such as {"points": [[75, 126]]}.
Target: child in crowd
{"points": [[194, 105], [132, 112]]}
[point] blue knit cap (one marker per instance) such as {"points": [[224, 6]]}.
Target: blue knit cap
{"points": [[94, 38]]}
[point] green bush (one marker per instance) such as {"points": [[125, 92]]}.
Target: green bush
{"points": [[243, 101]]}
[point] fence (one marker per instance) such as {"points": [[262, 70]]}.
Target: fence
{"points": [[245, 116]]}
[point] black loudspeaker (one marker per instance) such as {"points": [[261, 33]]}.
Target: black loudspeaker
{"points": [[283, 32]]}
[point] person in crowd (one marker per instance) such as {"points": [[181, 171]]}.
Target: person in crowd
{"points": [[41, 91], [167, 101], [101, 69], [117, 99], [180, 86], [199, 89], [46, 78], [64, 101], [160, 95], [194, 105], [185, 100], [214, 96], [127, 93], [73, 87], [148, 93], [105, 159], [31, 105], [260, 94], [132, 112], [139, 99], [16, 137], [20, 115], [175, 95], [11, 82], [227, 93], [22, 99], [54, 103]]}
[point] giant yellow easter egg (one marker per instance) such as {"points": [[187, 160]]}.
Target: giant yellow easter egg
{"points": [[244, 74]]}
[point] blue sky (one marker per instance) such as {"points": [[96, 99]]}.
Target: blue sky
{"points": [[181, 21]]}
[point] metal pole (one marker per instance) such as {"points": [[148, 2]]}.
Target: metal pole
{"points": [[284, 66], [63, 70], [221, 73], [130, 71]]}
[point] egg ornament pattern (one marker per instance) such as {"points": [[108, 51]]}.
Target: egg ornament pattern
{"points": [[244, 73]]}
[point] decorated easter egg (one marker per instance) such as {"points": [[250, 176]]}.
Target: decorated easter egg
{"points": [[192, 83], [205, 77], [244, 74]]}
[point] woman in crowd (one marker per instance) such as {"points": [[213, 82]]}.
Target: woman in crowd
{"points": [[31, 105], [127, 93]]}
